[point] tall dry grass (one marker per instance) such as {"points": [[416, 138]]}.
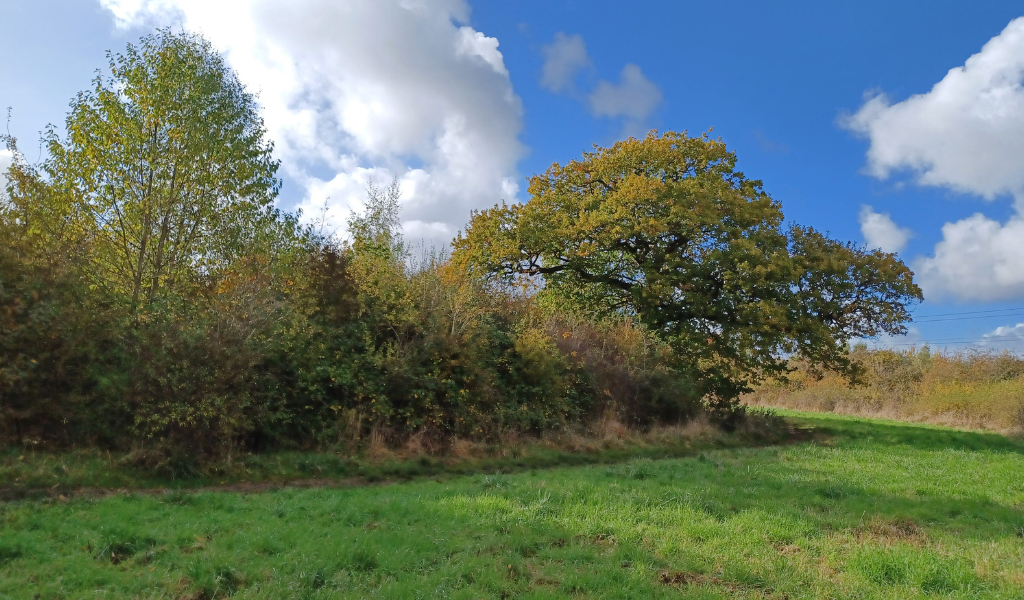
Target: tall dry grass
{"points": [[605, 433], [974, 390]]}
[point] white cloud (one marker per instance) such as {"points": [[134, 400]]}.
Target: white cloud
{"points": [[881, 232], [977, 259], [367, 89], [6, 158], [635, 97], [1004, 338], [967, 133], [563, 59]]}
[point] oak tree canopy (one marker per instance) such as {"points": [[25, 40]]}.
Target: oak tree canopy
{"points": [[666, 230]]}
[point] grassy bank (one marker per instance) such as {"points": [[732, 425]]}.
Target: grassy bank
{"points": [[969, 390], [867, 510], [26, 474]]}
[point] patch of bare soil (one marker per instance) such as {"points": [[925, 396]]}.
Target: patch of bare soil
{"points": [[890, 532], [683, 578], [62, 494]]}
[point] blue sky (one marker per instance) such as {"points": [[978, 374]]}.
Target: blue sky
{"points": [[463, 100]]}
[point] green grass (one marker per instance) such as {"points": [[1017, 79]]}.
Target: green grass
{"points": [[876, 510]]}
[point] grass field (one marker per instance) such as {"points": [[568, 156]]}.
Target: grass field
{"points": [[868, 509]]}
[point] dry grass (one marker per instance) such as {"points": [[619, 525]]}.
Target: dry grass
{"points": [[968, 389], [385, 456], [607, 433]]}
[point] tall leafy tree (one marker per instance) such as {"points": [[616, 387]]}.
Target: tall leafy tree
{"points": [[666, 230], [165, 168], [156, 212]]}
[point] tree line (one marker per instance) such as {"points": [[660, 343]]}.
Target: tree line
{"points": [[153, 298]]}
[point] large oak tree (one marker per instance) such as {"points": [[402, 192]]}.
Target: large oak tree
{"points": [[666, 230]]}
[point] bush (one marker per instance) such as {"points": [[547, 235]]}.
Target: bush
{"points": [[968, 389], [327, 347]]}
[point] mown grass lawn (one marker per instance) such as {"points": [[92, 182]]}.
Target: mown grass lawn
{"points": [[880, 510]]}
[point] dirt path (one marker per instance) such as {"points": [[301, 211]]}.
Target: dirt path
{"points": [[64, 493]]}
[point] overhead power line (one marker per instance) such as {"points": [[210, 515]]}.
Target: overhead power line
{"points": [[974, 312], [999, 339], [933, 320]]}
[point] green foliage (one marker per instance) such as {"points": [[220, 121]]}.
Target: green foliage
{"points": [[145, 264], [665, 230], [45, 354], [400, 349], [187, 320], [42, 473], [165, 170], [153, 300]]}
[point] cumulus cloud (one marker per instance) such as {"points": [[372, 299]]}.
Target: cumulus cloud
{"points": [[1004, 338], [634, 97], [977, 259], [881, 232], [365, 90], [967, 133], [564, 58]]}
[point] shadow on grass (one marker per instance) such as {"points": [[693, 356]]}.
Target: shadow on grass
{"points": [[883, 511], [741, 524], [854, 430]]}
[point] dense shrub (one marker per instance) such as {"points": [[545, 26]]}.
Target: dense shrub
{"points": [[307, 342], [44, 354], [968, 388]]}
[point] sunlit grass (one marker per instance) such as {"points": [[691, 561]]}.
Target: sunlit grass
{"points": [[876, 510]]}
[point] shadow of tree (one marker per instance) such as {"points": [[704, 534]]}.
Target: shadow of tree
{"points": [[853, 431]]}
